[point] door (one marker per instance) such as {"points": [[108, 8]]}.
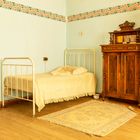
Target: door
{"points": [[112, 74], [129, 75]]}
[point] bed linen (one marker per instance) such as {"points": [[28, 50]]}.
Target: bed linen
{"points": [[54, 88]]}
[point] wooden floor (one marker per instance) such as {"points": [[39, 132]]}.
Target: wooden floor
{"points": [[16, 123]]}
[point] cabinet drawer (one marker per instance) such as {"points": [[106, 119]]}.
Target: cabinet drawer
{"points": [[120, 47]]}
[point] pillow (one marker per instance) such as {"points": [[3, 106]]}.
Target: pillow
{"points": [[55, 71], [79, 70], [65, 70], [68, 70]]}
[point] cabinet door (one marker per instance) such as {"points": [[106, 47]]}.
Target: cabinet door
{"points": [[112, 74], [129, 77]]}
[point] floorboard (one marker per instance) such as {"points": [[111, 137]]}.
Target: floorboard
{"points": [[16, 122]]}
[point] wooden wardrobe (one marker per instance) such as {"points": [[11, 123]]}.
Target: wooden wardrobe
{"points": [[121, 63]]}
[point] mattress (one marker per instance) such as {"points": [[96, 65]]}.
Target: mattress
{"points": [[53, 88]]}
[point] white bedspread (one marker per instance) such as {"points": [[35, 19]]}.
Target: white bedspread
{"points": [[55, 88]]}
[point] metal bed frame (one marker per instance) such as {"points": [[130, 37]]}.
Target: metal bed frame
{"points": [[12, 66], [81, 57]]}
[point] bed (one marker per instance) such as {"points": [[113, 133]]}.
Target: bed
{"points": [[73, 80]]}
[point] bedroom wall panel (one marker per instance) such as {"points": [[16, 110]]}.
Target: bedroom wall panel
{"points": [[29, 35], [36, 37], [92, 32]]}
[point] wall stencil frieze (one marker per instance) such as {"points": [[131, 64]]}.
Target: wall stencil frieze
{"points": [[105, 12], [30, 10], [81, 16]]}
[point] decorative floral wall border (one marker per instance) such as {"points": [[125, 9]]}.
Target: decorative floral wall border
{"points": [[29, 10], [42, 13], [104, 12]]}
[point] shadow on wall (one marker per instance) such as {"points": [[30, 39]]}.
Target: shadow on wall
{"points": [[99, 69]]}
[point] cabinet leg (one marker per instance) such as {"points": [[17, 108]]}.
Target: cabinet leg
{"points": [[139, 103], [139, 98], [103, 96]]}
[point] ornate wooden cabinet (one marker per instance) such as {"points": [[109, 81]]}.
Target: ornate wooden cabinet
{"points": [[121, 64]]}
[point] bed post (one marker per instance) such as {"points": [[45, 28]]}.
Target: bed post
{"points": [[33, 80], [2, 84]]}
